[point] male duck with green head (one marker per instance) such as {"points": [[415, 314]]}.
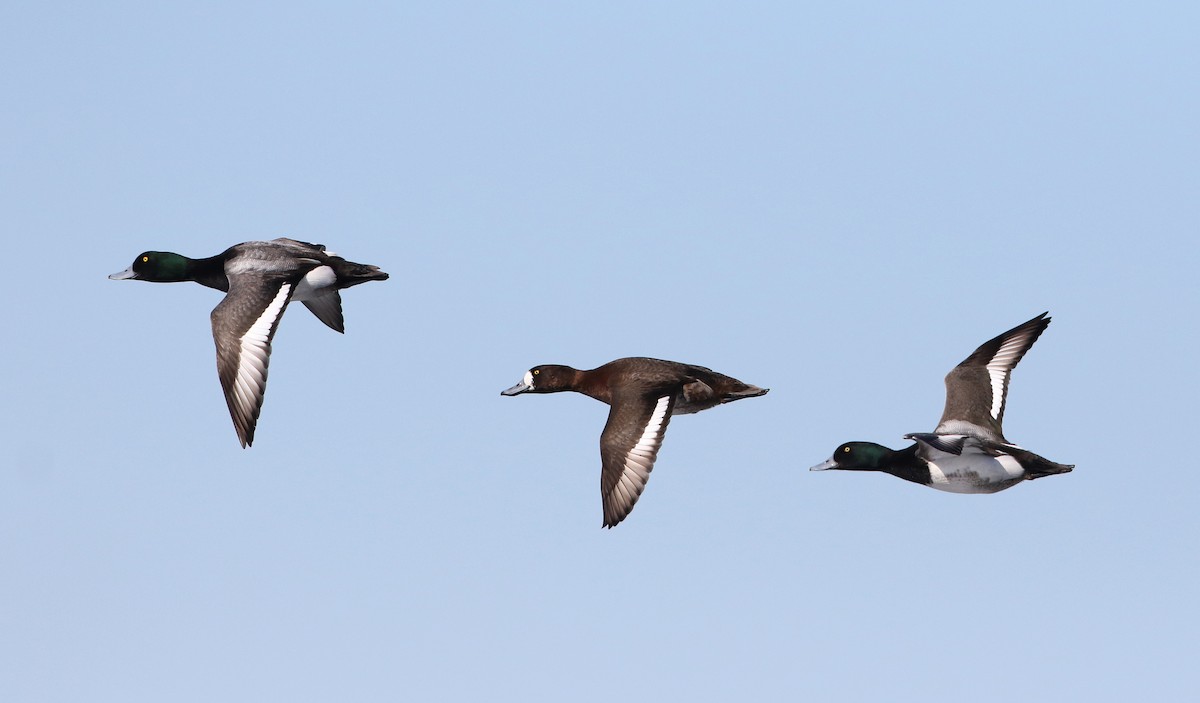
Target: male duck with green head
{"points": [[259, 279], [967, 452]]}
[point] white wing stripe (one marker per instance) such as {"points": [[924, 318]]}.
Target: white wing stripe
{"points": [[251, 372], [1001, 366], [648, 442], [640, 460]]}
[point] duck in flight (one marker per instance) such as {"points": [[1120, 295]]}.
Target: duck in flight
{"points": [[967, 452], [259, 280], [642, 395]]}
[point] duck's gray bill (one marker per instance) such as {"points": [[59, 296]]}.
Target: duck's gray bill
{"points": [[517, 389], [824, 465], [123, 275]]}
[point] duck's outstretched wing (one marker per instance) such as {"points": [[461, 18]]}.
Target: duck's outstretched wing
{"points": [[243, 325], [327, 306], [628, 448], [977, 388]]}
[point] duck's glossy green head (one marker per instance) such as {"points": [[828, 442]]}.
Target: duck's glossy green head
{"points": [[156, 266], [863, 456]]}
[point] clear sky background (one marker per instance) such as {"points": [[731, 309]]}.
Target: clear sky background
{"points": [[838, 201]]}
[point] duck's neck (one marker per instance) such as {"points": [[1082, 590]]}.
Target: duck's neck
{"points": [[208, 272], [592, 386], [903, 463]]}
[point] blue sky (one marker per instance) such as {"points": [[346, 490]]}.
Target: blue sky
{"points": [[837, 202]]}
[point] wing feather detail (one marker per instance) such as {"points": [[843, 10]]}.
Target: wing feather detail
{"points": [[243, 359], [1001, 365], [977, 389], [628, 449]]}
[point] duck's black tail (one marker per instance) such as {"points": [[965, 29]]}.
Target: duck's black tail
{"points": [[1037, 466], [352, 274]]}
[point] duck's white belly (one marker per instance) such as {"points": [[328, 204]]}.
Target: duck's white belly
{"points": [[314, 283], [974, 473]]}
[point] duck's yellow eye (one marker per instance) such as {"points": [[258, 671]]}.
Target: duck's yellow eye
{"points": [[145, 259], [845, 449], [536, 372]]}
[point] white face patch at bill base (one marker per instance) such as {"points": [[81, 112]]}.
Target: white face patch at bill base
{"points": [[528, 380]]}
